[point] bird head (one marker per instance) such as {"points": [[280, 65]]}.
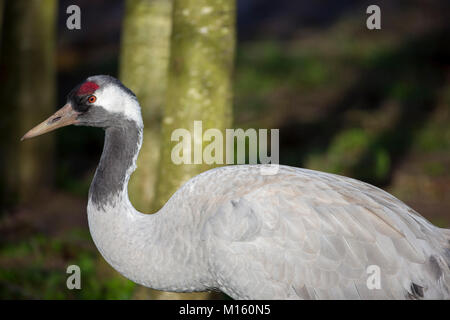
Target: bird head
{"points": [[100, 101]]}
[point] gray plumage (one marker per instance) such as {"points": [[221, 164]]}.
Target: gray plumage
{"points": [[298, 234]]}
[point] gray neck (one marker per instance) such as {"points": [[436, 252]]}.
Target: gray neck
{"points": [[117, 162], [155, 250]]}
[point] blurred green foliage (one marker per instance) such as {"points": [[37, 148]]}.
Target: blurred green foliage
{"points": [[345, 152], [35, 268]]}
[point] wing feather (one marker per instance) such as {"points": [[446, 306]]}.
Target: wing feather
{"points": [[312, 236]]}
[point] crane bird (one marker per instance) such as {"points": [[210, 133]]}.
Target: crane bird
{"points": [[298, 234]]}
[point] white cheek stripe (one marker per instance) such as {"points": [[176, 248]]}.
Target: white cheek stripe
{"points": [[116, 101]]}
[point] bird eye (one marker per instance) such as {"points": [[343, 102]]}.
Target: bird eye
{"points": [[92, 99]]}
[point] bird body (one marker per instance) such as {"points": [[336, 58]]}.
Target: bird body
{"points": [[298, 234]]}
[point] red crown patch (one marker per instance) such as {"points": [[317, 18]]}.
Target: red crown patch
{"points": [[87, 88]]}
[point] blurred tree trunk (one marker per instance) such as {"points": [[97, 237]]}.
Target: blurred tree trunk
{"points": [[27, 95], [144, 61], [143, 68], [199, 87]]}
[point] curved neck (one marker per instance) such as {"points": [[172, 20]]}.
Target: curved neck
{"points": [[117, 163], [149, 249]]}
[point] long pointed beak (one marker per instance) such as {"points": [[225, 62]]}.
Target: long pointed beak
{"points": [[61, 118]]}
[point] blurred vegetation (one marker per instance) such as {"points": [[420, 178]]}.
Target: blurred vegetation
{"points": [[45, 277], [379, 107], [370, 105], [27, 96]]}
